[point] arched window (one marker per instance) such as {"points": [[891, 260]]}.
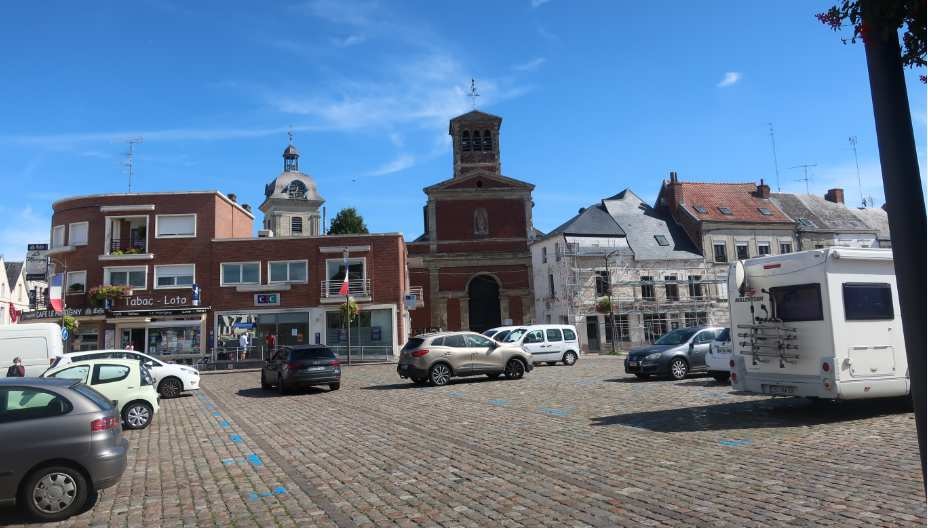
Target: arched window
{"points": [[487, 141], [296, 190], [465, 141]]}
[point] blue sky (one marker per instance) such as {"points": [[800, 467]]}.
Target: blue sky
{"points": [[595, 96]]}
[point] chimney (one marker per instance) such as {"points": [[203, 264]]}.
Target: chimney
{"points": [[232, 197], [835, 195], [247, 207], [673, 176], [763, 190], [581, 210]]}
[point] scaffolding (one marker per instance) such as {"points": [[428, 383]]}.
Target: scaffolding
{"points": [[645, 299]]}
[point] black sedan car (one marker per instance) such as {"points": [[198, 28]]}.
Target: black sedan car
{"points": [[300, 367], [675, 354]]}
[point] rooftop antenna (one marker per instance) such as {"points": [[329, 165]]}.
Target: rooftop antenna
{"points": [[776, 165], [130, 156], [805, 173], [473, 92], [860, 187]]}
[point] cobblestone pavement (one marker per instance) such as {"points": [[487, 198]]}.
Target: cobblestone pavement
{"points": [[565, 446]]}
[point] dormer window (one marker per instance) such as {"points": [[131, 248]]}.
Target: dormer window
{"points": [[296, 190], [662, 240], [765, 211], [725, 210], [804, 222], [465, 141], [701, 209]]}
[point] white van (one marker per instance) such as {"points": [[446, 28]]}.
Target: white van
{"points": [[550, 343], [36, 344], [820, 323]]}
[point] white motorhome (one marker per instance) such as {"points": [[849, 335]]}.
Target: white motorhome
{"points": [[820, 323], [36, 344]]}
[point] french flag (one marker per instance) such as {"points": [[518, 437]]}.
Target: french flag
{"points": [[54, 292], [343, 290]]}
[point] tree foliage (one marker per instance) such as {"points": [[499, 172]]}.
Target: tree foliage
{"points": [[348, 221], [892, 14]]}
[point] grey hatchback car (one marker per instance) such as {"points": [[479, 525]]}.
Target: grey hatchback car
{"points": [[678, 353], [437, 357], [62, 441]]}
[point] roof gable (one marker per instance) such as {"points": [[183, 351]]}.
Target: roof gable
{"points": [[592, 221], [480, 180], [14, 270]]}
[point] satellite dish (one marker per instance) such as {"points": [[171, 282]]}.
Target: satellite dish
{"points": [[736, 278]]}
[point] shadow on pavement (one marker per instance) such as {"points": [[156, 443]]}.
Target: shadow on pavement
{"points": [[16, 516], [259, 392], [702, 381], [767, 413], [454, 382]]}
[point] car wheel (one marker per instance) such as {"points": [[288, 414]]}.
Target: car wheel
{"points": [[170, 387], [137, 415], [515, 369], [281, 387], [335, 386], [642, 376], [570, 358], [722, 378], [264, 384], [440, 374], [679, 368], [54, 493]]}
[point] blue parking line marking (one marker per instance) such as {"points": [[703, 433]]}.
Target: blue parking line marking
{"points": [[555, 412], [236, 438], [224, 424], [228, 461], [499, 402], [280, 490], [254, 459], [216, 414], [735, 442], [456, 394]]}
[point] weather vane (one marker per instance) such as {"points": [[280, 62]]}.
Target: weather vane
{"points": [[473, 92], [290, 133]]}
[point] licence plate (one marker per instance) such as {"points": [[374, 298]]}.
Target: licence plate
{"points": [[781, 389], [633, 363], [315, 368]]}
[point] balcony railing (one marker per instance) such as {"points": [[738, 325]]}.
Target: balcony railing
{"points": [[417, 290], [127, 245], [356, 288]]}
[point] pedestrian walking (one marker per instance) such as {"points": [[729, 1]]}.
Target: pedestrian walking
{"points": [[17, 369]]}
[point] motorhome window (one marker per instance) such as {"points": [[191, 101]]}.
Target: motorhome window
{"points": [[797, 303], [868, 301]]}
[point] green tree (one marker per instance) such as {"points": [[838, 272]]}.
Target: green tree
{"points": [[348, 221]]}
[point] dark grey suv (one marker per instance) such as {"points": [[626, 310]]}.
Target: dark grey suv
{"points": [[302, 366], [62, 441], [675, 354]]}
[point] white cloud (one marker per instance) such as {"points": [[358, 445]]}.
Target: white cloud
{"points": [[539, 3], [21, 227], [730, 79], [547, 35], [530, 66], [401, 162], [165, 135]]}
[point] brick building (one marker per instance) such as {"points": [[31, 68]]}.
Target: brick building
{"points": [[472, 265], [161, 245]]}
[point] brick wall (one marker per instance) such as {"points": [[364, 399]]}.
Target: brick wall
{"points": [[455, 218]]}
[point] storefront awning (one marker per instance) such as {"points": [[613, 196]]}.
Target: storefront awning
{"points": [[163, 312]]}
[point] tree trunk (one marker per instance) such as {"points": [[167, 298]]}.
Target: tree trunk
{"points": [[905, 203]]}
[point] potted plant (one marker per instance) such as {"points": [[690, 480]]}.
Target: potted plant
{"points": [[76, 287], [102, 293], [350, 310], [603, 305], [71, 324]]}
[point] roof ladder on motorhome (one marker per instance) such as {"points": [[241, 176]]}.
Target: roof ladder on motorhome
{"points": [[769, 339]]}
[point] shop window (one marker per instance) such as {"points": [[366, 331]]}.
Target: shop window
{"points": [[174, 276], [77, 282], [371, 330], [176, 225], [173, 340], [77, 233], [247, 273], [287, 271], [134, 277]]}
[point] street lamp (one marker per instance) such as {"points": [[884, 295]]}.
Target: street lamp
{"points": [[609, 294]]}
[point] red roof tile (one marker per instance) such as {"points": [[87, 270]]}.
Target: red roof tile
{"points": [[739, 198]]}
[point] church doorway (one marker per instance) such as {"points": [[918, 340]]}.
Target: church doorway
{"points": [[483, 304]]}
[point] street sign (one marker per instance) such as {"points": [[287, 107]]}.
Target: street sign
{"points": [[195, 295], [267, 299], [64, 334]]}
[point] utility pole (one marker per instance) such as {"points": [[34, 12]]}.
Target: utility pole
{"points": [[805, 173], [905, 204], [860, 187], [609, 293], [130, 156]]}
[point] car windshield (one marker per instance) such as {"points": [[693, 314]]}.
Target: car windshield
{"points": [[311, 354], [515, 335], [724, 336], [677, 336], [489, 332]]}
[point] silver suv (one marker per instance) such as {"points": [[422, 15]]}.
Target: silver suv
{"points": [[437, 357]]}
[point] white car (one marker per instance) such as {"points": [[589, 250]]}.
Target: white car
{"points": [[170, 379], [717, 360], [501, 333], [548, 343]]}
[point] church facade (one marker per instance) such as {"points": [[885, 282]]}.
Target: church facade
{"points": [[472, 262]]}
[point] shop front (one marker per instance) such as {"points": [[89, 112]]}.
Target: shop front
{"points": [[373, 333], [251, 333], [172, 333]]}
